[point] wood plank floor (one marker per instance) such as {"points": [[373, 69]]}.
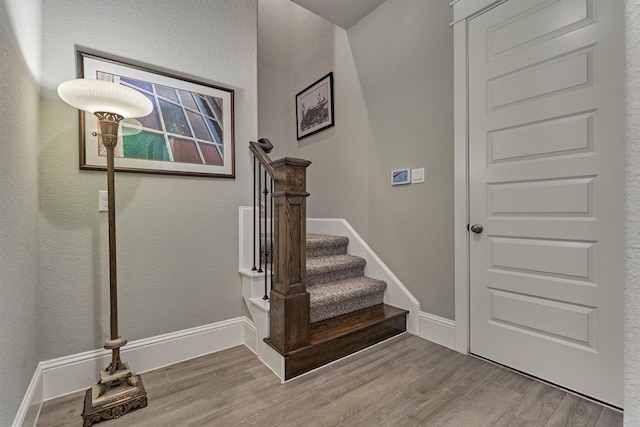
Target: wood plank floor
{"points": [[406, 381]]}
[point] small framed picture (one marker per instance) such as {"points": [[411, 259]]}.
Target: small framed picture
{"points": [[314, 107], [400, 176]]}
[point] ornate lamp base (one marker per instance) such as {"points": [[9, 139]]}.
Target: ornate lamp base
{"points": [[113, 401]]}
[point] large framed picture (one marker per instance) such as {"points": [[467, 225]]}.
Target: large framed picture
{"points": [[314, 107], [189, 132]]}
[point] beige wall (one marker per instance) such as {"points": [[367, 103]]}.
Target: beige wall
{"points": [[393, 75], [18, 205], [177, 236]]}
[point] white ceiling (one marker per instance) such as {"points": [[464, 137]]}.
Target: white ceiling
{"points": [[343, 13]]}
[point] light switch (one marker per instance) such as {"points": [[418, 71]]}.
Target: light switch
{"points": [[417, 175], [103, 201]]}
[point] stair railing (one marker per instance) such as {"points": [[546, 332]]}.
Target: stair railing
{"points": [[289, 299], [263, 252]]}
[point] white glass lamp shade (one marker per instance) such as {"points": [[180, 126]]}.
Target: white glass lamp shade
{"points": [[98, 95]]}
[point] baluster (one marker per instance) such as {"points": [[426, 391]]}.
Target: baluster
{"points": [[259, 219], [271, 241], [254, 213], [266, 253]]}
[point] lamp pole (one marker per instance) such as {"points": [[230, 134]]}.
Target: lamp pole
{"points": [[109, 123]]}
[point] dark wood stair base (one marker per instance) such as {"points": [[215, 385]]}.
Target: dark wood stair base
{"points": [[335, 338]]}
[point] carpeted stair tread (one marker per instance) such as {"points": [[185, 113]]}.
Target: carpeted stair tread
{"points": [[337, 298], [334, 268], [334, 292], [319, 245]]}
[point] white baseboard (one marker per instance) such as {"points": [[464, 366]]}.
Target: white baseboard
{"points": [[68, 374], [29, 410], [437, 329]]}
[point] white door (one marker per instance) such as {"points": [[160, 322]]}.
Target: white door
{"points": [[546, 171]]}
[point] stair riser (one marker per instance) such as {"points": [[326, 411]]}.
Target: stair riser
{"points": [[333, 276]]}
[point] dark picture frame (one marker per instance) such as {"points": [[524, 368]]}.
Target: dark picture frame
{"points": [[189, 132], [314, 107]]}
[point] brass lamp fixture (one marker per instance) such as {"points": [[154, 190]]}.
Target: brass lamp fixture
{"points": [[119, 389]]}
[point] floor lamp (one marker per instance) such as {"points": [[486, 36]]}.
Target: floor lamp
{"points": [[119, 390]]}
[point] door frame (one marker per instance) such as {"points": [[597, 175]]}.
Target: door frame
{"points": [[463, 11]]}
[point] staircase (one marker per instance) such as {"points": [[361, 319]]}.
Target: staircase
{"points": [[318, 303], [336, 281], [347, 308]]}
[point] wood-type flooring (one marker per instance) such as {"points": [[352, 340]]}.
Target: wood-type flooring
{"points": [[405, 381]]}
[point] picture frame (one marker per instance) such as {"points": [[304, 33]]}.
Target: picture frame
{"points": [[400, 176], [189, 132], [314, 107]]}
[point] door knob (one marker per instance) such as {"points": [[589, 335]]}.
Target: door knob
{"points": [[477, 228]]}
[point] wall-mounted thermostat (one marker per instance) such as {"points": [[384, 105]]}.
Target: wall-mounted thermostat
{"points": [[401, 176]]}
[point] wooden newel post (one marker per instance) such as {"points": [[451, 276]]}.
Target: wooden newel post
{"points": [[289, 317]]}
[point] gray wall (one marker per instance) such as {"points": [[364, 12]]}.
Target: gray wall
{"points": [[393, 75], [177, 236], [18, 205], [403, 51], [296, 48]]}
